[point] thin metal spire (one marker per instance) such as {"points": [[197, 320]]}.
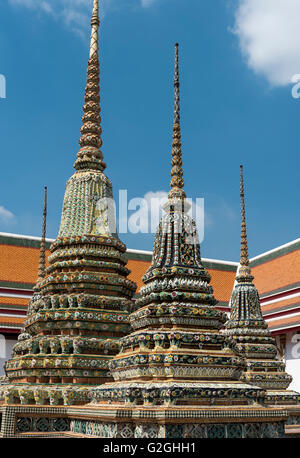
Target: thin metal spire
{"points": [[244, 273], [90, 156], [42, 260], [176, 87], [244, 245], [177, 182]]}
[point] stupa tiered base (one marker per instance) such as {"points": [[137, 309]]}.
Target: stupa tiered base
{"points": [[46, 394], [112, 421], [73, 329]]}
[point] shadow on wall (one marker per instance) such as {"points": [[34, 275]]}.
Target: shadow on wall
{"points": [[6, 346], [292, 358]]}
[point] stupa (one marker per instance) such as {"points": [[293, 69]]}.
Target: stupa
{"points": [[249, 331], [82, 302], [77, 370], [176, 375]]}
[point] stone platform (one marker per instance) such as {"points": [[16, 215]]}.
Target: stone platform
{"points": [[105, 422]]}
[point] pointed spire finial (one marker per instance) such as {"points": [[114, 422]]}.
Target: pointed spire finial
{"points": [[42, 260], [176, 87], [244, 245], [95, 23], [244, 273], [177, 182], [90, 156]]}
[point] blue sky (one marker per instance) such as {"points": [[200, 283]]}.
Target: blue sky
{"points": [[237, 58]]}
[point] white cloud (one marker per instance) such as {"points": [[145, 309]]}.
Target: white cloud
{"points": [[42, 4], [269, 37], [6, 216], [74, 13], [227, 211], [147, 3]]}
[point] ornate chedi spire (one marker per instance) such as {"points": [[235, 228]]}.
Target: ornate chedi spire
{"points": [[249, 331], [176, 370], [90, 156], [85, 297], [177, 182], [244, 270]]}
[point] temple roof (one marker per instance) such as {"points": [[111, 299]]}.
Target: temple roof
{"points": [[276, 275], [277, 269], [20, 255]]}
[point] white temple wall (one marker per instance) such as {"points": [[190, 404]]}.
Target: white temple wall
{"points": [[292, 358], [6, 346]]}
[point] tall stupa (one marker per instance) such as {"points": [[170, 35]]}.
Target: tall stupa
{"points": [[84, 297], [248, 330], [79, 370], [176, 375]]}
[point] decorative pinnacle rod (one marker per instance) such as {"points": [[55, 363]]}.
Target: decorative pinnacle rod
{"points": [[176, 87], [90, 156], [42, 261], [95, 23], [244, 245], [177, 182]]}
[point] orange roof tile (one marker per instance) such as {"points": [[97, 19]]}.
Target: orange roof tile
{"points": [[222, 282], [293, 320], [11, 320], [279, 304], [138, 269], [19, 264], [277, 273], [14, 301]]}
